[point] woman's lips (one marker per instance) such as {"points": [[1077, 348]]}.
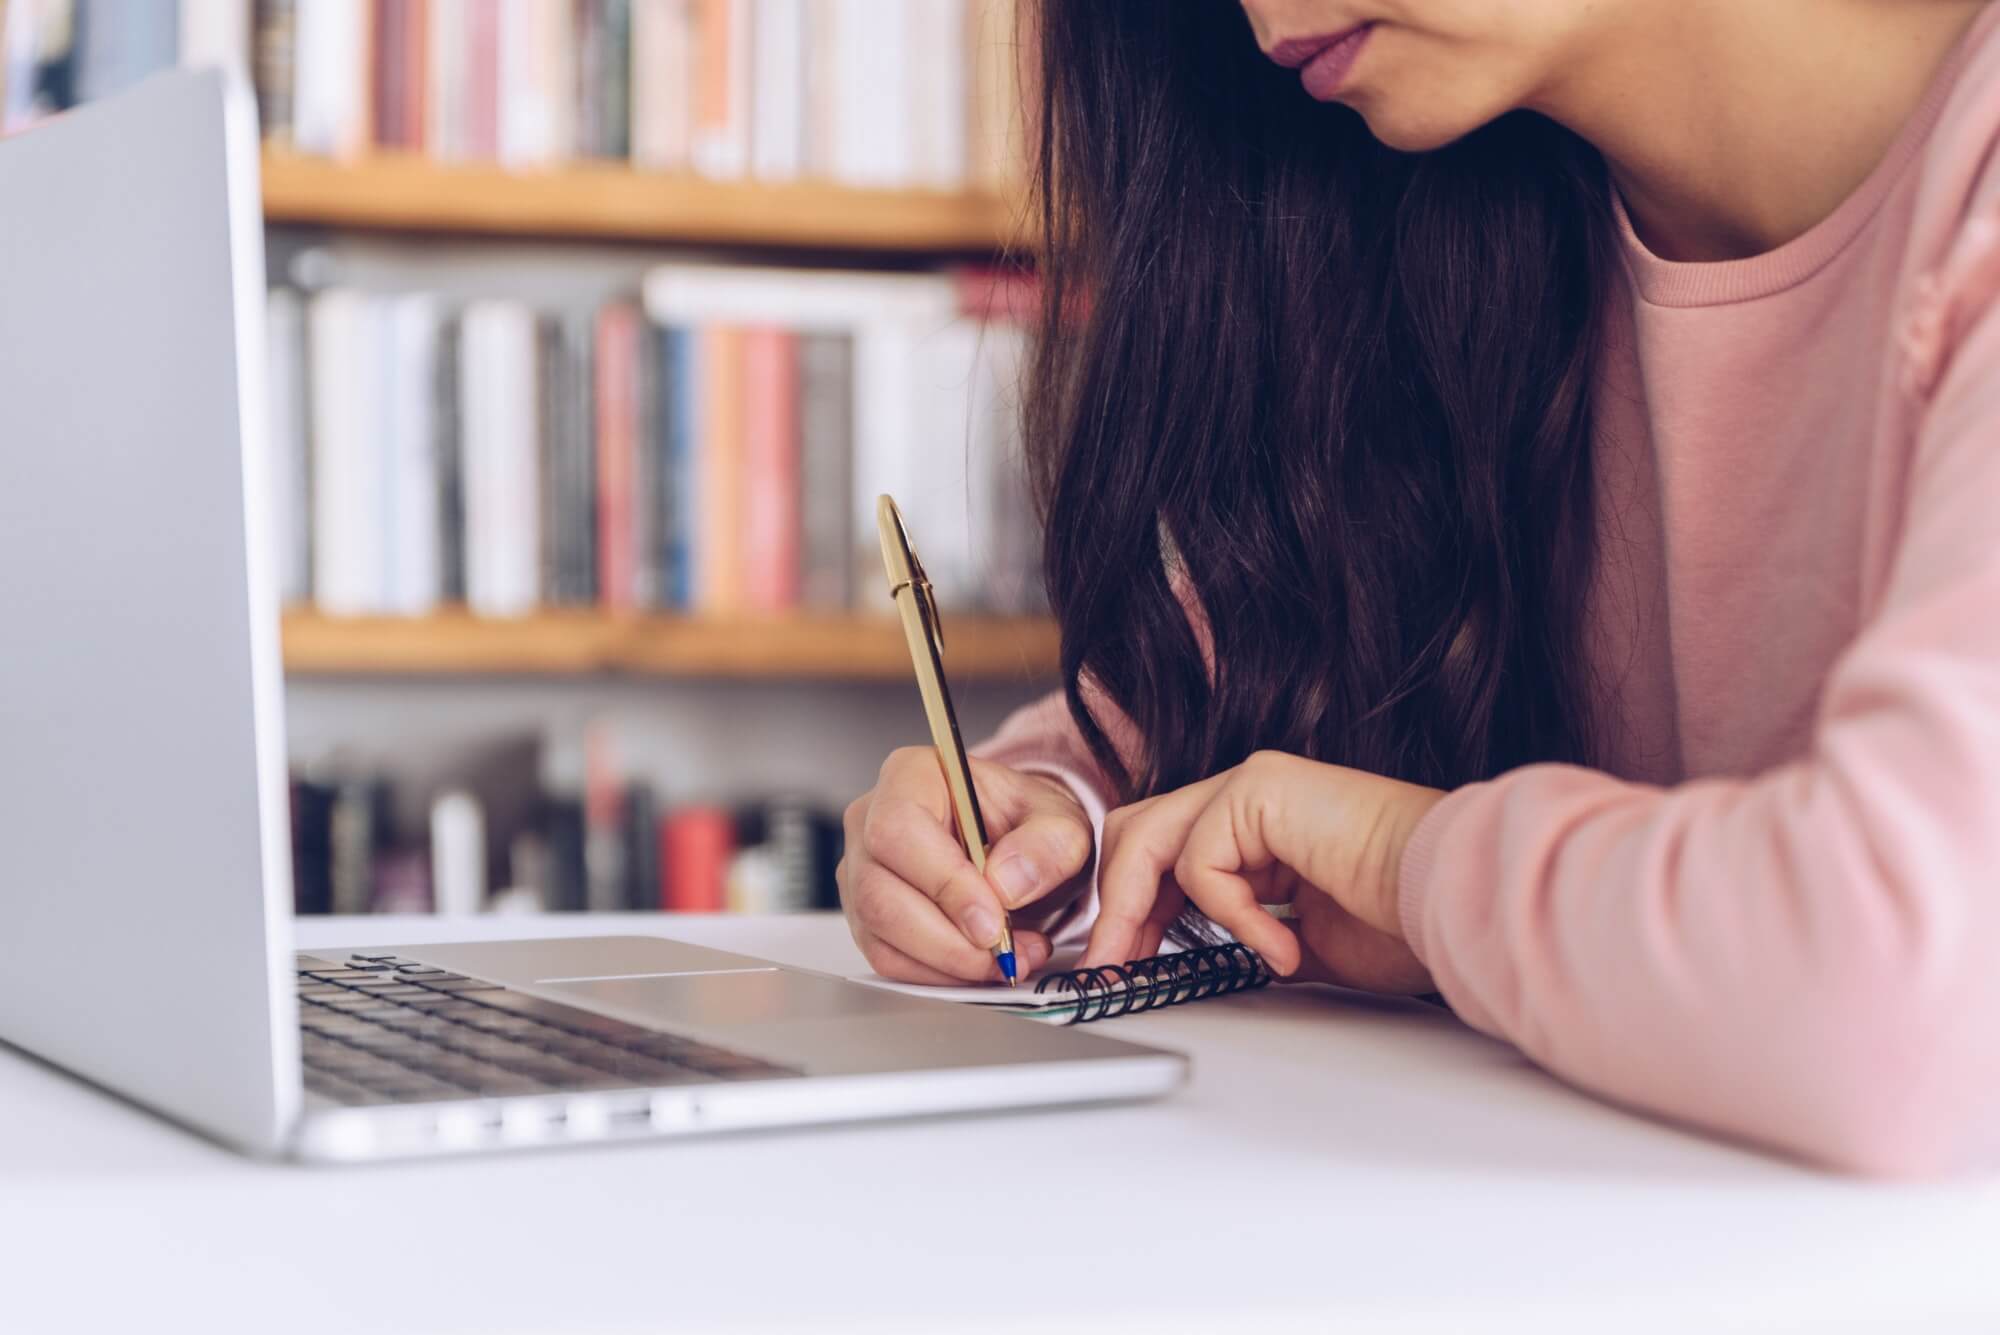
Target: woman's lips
{"points": [[1323, 62]]}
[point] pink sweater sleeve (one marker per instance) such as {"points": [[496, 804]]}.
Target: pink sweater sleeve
{"points": [[1809, 958], [1042, 738]]}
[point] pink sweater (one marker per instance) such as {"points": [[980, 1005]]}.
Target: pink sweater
{"points": [[1775, 912]]}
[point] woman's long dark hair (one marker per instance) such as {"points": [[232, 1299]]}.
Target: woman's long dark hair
{"points": [[1351, 387]]}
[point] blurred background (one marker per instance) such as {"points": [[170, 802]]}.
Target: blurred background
{"points": [[594, 328]]}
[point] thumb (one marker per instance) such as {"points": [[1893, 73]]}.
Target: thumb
{"points": [[1050, 843]]}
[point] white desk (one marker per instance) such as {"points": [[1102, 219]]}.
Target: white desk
{"points": [[1333, 1163]]}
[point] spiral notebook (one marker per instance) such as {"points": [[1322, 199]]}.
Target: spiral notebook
{"points": [[1079, 996]]}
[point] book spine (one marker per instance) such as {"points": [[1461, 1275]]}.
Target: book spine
{"points": [[503, 528], [719, 473], [415, 579], [616, 397], [550, 391], [448, 448], [482, 81], [445, 43], [662, 100], [273, 64], [696, 844], [679, 436], [615, 92], [386, 57], [649, 485], [826, 424], [777, 91], [719, 143], [770, 470]]}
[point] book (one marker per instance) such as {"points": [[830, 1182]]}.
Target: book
{"points": [[777, 89], [447, 54], [719, 137], [1081, 996], [413, 565], [497, 410], [273, 66], [677, 432], [826, 424], [330, 77], [346, 488], [696, 844], [770, 470], [618, 494], [717, 576], [482, 81], [662, 102], [448, 447]]}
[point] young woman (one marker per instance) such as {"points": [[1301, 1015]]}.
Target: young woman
{"points": [[1522, 484]]}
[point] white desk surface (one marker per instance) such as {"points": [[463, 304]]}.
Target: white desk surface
{"points": [[1334, 1163]]}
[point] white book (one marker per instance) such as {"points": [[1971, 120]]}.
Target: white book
{"points": [[346, 542], [330, 79], [805, 299], [446, 134], [413, 570], [938, 495], [502, 486], [215, 33], [662, 84], [887, 358], [872, 103], [940, 92], [777, 90], [537, 90], [290, 468]]}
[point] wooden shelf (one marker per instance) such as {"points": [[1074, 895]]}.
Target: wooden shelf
{"points": [[415, 194], [805, 647]]}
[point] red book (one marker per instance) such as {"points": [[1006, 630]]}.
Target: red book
{"points": [[696, 844], [617, 455], [771, 470], [482, 81]]}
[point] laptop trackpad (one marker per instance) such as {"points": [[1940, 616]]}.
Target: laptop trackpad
{"points": [[728, 1000]]}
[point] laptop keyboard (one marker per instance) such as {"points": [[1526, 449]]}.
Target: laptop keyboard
{"points": [[378, 1029]]}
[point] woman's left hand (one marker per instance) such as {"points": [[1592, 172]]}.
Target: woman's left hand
{"points": [[1276, 829]]}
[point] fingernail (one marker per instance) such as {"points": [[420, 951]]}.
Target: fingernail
{"points": [[980, 926], [1017, 878]]}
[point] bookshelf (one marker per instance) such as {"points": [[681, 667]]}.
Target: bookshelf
{"points": [[407, 193], [589, 643]]}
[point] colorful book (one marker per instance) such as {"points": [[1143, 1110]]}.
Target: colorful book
{"points": [[718, 473], [696, 845], [770, 470], [617, 456]]}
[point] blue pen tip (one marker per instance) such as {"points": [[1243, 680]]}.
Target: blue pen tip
{"points": [[1006, 958]]}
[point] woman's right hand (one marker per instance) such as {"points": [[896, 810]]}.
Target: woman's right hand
{"points": [[917, 908]]}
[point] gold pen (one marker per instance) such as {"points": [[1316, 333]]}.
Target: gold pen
{"points": [[917, 604]]}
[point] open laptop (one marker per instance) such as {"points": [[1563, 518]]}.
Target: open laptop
{"points": [[145, 938]]}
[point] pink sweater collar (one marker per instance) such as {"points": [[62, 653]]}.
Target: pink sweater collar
{"points": [[1678, 283]]}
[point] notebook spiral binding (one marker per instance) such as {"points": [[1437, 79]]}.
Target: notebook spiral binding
{"points": [[1164, 980]]}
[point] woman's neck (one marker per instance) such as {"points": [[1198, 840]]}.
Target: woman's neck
{"points": [[1732, 127]]}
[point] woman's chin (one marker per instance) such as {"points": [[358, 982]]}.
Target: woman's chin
{"points": [[1411, 130]]}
